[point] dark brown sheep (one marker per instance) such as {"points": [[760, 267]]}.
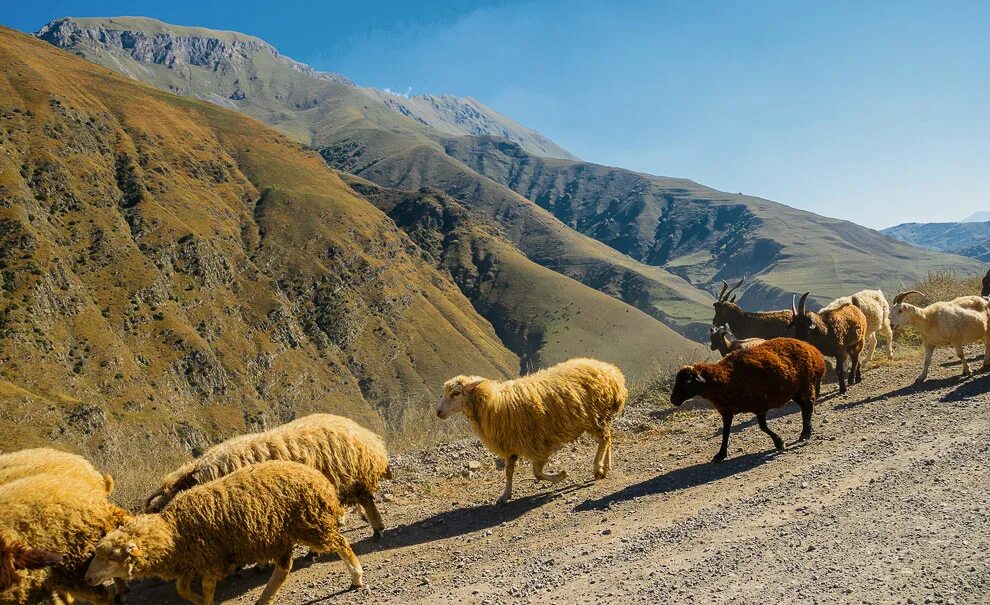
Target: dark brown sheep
{"points": [[986, 285], [754, 381], [748, 324], [839, 332]]}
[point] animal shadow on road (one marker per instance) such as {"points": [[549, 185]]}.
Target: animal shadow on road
{"points": [[678, 479], [969, 389], [928, 385]]}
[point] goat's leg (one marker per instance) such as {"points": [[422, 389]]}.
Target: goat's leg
{"points": [[282, 568], [510, 468], [840, 371], [724, 450], [928, 362], [183, 586], [777, 441], [367, 502], [962, 356], [541, 476]]}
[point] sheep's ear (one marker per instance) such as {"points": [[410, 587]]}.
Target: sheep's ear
{"points": [[133, 550], [470, 386]]}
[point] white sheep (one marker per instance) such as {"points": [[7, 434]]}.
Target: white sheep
{"points": [[535, 415], [875, 307], [953, 323], [255, 514]]}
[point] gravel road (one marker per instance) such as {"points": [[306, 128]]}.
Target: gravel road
{"points": [[887, 504]]}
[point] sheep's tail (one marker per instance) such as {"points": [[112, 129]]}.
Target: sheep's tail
{"points": [[108, 483]]}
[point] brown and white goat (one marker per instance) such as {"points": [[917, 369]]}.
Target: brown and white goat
{"points": [[725, 342], [839, 332]]}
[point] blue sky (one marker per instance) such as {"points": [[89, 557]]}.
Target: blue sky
{"points": [[876, 112]]}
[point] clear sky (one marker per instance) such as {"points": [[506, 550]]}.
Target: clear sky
{"points": [[876, 112]]}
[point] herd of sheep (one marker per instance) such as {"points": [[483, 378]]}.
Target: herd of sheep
{"points": [[253, 498]]}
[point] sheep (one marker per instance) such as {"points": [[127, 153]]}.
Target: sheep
{"points": [[955, 322], [353, 458], [60, 514], [875, 307], [24, 463], [725, 342], [747, 324], [838, 332], [754, 381], [535, 415], [255, 514], [16, 557]]}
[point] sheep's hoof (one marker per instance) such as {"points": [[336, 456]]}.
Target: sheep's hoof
{"points": [[502, 501], [779, 446], [357, 586], [919, 380], [599, 475], [719, 457], [379, 534]]}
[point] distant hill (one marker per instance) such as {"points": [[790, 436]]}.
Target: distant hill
{"points": [[970, 239], [978, 217]]}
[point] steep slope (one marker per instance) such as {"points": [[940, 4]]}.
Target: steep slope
{"points": [[364, 137], [542, 316], [173, 272], [970, 239], [706, 235]]}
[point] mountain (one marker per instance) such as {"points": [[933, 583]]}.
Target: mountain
{"points": [[356, 132], [173, 272], [978, 217], [660, 244], [968, 238]]}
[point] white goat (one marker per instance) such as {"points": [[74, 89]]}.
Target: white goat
{"points": [[875, 307], [955, 322]]}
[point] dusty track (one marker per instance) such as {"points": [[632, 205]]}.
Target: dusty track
{"points": [[887, 504]]}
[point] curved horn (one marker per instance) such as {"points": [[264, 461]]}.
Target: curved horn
{"points": [[804, 298], [902, 295], [721, 294], [794, 304], [735, 286]]}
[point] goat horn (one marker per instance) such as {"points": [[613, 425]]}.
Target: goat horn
{"points": [[902, 295], [721, 294], [804, 298], [794, 304], [735, 286]]}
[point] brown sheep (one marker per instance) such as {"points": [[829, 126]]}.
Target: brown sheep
{"points": [[839, 332], [754, 381], [58, 514], [353, 458], [535, 415], [256, 514]]}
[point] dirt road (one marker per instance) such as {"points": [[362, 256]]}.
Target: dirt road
{"points": [[889, 503]]}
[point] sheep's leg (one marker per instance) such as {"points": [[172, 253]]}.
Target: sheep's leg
{"points": [[343, 548], [510, 468], [871, 344], [119, 590], [928, 361], [183, 586], [608, 457], [555, 478], [724, 451], [818, 388], [962, 356], [777, 441], [367, 502], [807, 408], [856, 369], [888, 333], [209, 588], [986, 352], [604, 439], [282, 568]]}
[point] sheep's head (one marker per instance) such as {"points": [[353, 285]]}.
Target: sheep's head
{"points": [[117, 554], [726, 307], [801, 320], [455, 393], [900, 311], [15, 557], [688, 383]]}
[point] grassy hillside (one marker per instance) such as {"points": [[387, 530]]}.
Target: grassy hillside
{"points": [[173, 272], [970, 239], [542, 316], [363, 136], [706, 235]]}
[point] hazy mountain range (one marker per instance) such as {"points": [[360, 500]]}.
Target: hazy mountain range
{"points": [[968, 238]]}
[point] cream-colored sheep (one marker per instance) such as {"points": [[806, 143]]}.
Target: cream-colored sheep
{"points": [[875, 307], [255, 514], [533, 416], [953, 323], [353, 458], [24, 463], [60, 514]]}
